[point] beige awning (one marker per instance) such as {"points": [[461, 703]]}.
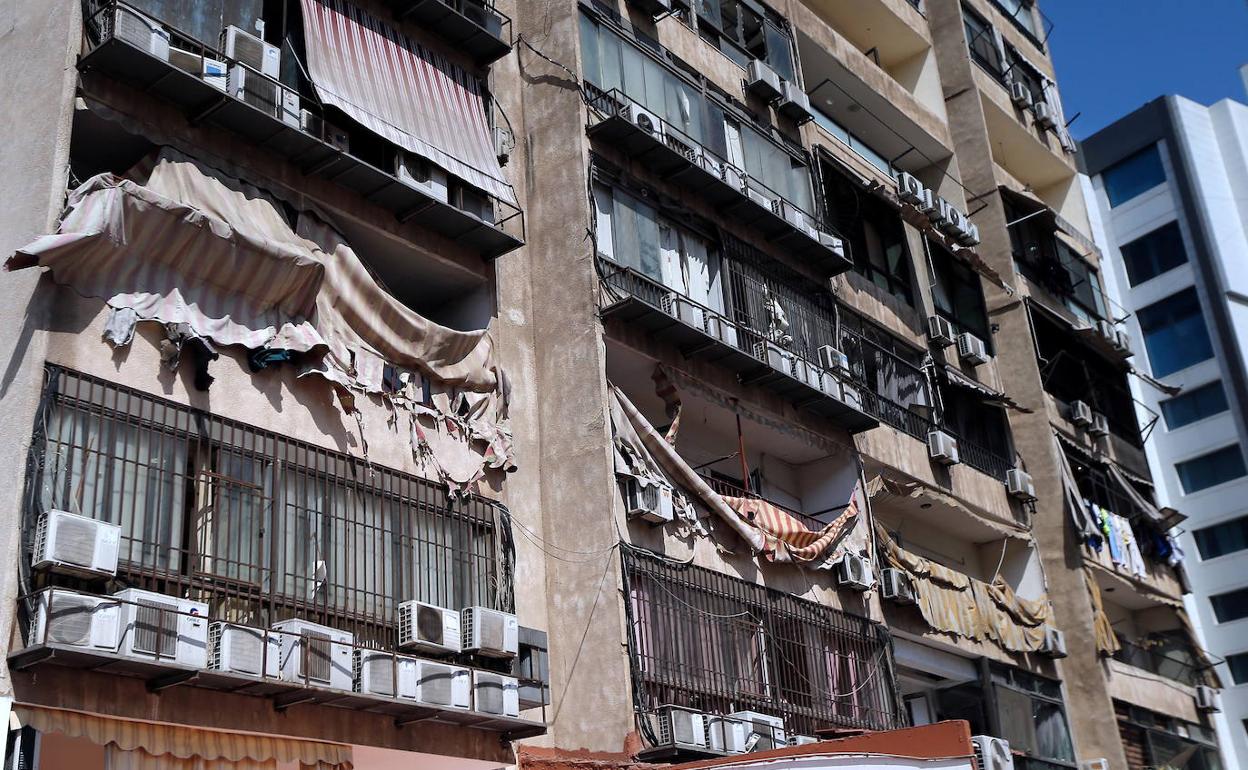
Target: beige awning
{"points": [[881, 489], [991, 396], [163, 738]]}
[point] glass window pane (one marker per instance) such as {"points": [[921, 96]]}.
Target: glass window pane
{"points": [[1133, 176], [1174, 330], [1238, 664], [1221, 539], [1211, 469], [1155, 253], [1196, 404], [779, 52], [589, 51], [1230, 606]]}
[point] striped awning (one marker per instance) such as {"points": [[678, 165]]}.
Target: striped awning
{"points": [[786, 534], [402, 91]]}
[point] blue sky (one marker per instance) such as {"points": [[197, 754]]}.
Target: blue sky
{"points": [[1113, 56]]}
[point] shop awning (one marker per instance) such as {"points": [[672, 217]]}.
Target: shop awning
{"points": [[402, 91]]}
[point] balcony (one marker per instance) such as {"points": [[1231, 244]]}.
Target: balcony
{"points": [[728, 489], [491, 231], [1184, 669], [477, 29], [625, 125]]}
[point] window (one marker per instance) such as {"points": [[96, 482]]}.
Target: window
{"points": [[254, 523], [1174, 333], [1022, 72], [1153, 254], [1211, 469], [705, 640], [958, 294], [982, 41], [876, 237], [1196, 404], [1230, 606], [1221, 539], [851, 140], [1238, 664], [1030, 714], [749, 31], [1133, 176]]}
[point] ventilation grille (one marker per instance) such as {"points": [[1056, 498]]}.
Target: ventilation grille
{"points": [[69, 618], [435, 684], [215, 632], [155, 628], [74, 542], [316, 655], [374, 672], [489, 693], [245, 647], [429, 625], [133, 28], [492, 629], [260, 93]]}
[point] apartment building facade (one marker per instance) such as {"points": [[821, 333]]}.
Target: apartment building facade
{"points": [[1167, 184], [730, 348]]}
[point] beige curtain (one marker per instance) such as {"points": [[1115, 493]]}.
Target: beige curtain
{"points": [[1106, 639]]}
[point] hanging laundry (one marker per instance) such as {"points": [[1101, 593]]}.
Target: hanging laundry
{"points": [[263, 358], [179, 336]]}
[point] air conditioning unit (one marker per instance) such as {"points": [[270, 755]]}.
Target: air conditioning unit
{"points": [[773, 355], [1080, 413], [1207, 698], [414, 171], [953, 221], [683, 310], [1122, 344], [268, 96], [134, 28], [1019, 484], [942, 448], [711, 164], [972, 349], [214, 72], [896, 586], [485, 17], [853, 571], [938, 212], [798, 369], [832, 359], [163, 628], [76, 620], [1107, 330], [992, 753], [327, 132], [761, 198], [762, 81], [1054, 644], [1043, 115], [435, 684], [644, 119], [799, 219], [722, 329], [242, 649], [489, 632], [375, 672], [680, 146], [794, 103], [940, 331], [1094, 764], [734, 177], [832, 243], [766, 732], [727, 734], [802, 740], [1020, 94], [76, 545], [1099, 426], [679, 728], [472, 201], [496, 694], [647, 500], [428, 628], [310, 653], [969, 235], [245, 48], [910, 189]]}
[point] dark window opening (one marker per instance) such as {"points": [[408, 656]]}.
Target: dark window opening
{"points": [[1175, 335], [877, 239], [744, 30], [982, 42], [958, 294], [1133, 176], [1221, 539], [1196, 404], [1160, 251]]}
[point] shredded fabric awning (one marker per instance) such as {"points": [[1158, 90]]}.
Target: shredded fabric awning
{"points": [[881, 489], [954, 376], [801, 543], [402, 91], [1086, 525], [165, 739], [1106, 639]]}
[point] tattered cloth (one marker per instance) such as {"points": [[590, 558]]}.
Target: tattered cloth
{"points": [[786, 534], [1106, 639], [957, 604]]}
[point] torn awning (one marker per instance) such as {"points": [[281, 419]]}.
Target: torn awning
{"points": [[990, 396], [402, 91]]}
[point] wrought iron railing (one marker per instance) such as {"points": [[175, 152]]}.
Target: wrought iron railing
{"points": [[1180, 669]]}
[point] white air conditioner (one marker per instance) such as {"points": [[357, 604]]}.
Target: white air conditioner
{"points": [[895, 586], [832, 243], [1019, 484], [495, 694], [952, 220], [1020, 94], [428, 627], [969, 235], [1080, 413], [77, 620], [938, 212], [942, 448], [853, 571], [722, 329], [1107, 330], [762, 81], [711, 164], [243, 650], [1054, 644], [685, 148], [794, 103], [1099, 426], [940, 331], [1094, 764], [910, 189], [310, 653], [1207, 698], [489, 632], [647, 499], [992, 753], [76, 545], [1043, 115], [290, 112], [252, 88], [164, 628], [798, 369], [214, 72], [802, 740], [245, 48], [414, 171], [800, 220], [972, 349], [727, 734], [375, 672], [734, 177], [683, 309], [1122, 343], [766, 731], [644, 119], [761, 198], [679, 728], [134, 28], [774, 356], [832, 359], [435, 684]]}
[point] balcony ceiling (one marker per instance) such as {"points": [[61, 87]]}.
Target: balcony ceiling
{"points": [[872, 24], [1019, 151]]}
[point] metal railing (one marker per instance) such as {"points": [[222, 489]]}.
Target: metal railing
{"points": [[257, 525], [722, 487], [1183, 670]]}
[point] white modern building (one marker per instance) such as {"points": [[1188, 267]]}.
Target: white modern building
{"points": [[1169, 184]]}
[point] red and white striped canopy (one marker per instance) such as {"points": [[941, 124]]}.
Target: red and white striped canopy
{"points": [[402, 91]]}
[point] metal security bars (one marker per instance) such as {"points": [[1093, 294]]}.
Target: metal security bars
{"points": [[704, 640], [259, 526]]}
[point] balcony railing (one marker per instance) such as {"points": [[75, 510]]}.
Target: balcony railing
{"points": [[479, 29], [1179, 669], [729, 489], [280, 130]]}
